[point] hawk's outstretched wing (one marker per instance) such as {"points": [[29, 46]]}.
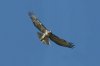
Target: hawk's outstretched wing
{"points": [[60, 41], [37, 23]]}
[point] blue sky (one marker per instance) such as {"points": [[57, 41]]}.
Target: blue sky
{"points": [[77, 21]]}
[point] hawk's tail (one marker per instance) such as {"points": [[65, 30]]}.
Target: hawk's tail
{"points": [[45, 40]]}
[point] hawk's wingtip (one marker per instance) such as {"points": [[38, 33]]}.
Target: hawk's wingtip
{"points": [[30, 13], [71, 45]]}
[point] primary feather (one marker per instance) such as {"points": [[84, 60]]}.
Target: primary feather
{"points": [[37, 23], [60, 41]]}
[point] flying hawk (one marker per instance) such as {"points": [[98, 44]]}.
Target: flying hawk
{"points": [[45, 35]]}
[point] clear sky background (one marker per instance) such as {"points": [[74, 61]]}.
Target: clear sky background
{"points": [[77, 21]]}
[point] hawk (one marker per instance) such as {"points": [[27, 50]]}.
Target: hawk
{"points": [[45, 35]]}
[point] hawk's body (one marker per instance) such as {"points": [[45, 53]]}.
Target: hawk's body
{"points": [[45, 34]]}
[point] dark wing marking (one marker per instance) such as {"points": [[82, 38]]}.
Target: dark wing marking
{"points": [[60, 41], [37, 23]]}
